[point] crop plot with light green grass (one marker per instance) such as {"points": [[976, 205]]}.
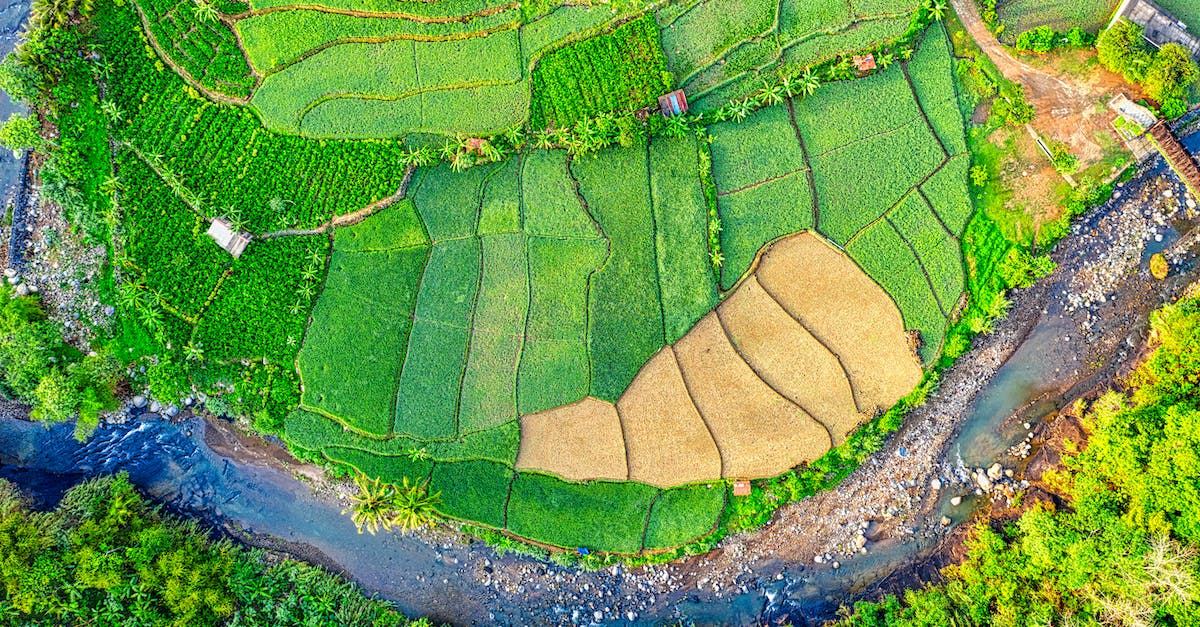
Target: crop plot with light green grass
{"points": [[887, 259], [600, 514], [761, 147], [718, 50], [840, 114], [752, 217], [931, 73], [684, 513], [432, 373], [687, 282], [358, 335], [948, 193], [625, 318], [555, 368], [275, 39], [937, 249], [854, 188]]}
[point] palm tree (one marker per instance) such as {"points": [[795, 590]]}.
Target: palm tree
{"points": [[205, 11], [886, 60], [809, 82], [771, 93], [788, 84], [741, 109], [937, 10], [414, 507], [372, 508], [543, 140]]}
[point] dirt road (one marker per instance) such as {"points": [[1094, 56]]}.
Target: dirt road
{"points": [[1069, 109]]}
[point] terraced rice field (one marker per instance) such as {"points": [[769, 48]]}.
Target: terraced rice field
{"points": [[876, 165], [552, 320], [717, 48], [364, 69], [544, 340]]}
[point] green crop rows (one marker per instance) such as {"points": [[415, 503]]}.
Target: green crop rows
{"points": [[717, 49], [615, 72], [1018, 16], [204, 48]]}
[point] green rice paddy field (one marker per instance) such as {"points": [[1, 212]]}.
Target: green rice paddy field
{"points": [[518, 286], [363, 69]]}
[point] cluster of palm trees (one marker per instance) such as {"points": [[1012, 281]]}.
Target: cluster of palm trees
{"points": [[379, 505], [791, 85]]}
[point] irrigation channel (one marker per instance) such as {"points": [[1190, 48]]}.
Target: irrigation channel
{"points": [[1072, 333]]}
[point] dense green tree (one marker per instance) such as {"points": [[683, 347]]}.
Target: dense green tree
{"points": [[20, 132], [107, 557], [1170, 73], [1125, 550], [1122, 50]]}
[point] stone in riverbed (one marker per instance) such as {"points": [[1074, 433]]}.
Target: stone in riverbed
{"points": [[139, 401], [945, 521], [995, 471], [956, 501]]}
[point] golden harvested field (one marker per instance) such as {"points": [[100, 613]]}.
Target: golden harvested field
{"points": [[789, 359], [861, 325], [772, 378], [759, 433], [578, 441], [667, 439]]}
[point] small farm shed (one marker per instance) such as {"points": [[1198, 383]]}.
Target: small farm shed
{"points": [[741, 488], [673, 104], [1160, 26], [865, 63], [234, 242]]}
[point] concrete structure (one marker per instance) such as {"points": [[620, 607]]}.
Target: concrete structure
{"points": [[1177, 156], [1160, 26], [1131, 125], [226, 237]]}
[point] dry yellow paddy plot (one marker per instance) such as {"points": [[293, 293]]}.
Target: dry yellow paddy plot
{"points": [[667, 440], [579, 441], [789, 359], [842, 307], [786, 367]]}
